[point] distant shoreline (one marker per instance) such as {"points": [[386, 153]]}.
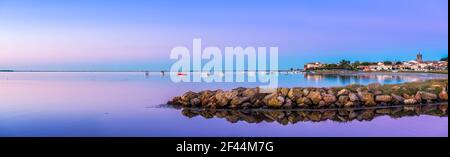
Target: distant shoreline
{"points": [[151, 71]]}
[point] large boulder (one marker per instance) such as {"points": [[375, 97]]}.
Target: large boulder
{"points": [[411, 101], [353, 97], [350, 104], [284, 91], [418, 96], [295, 93], [288, 103], [343, 99], [383, 98], [305, 91], [273, 100], [343, 92], [397, 99], [428, 96], [237, 101], [315, 97], [329, 98], [304, 102], [368, 99]]}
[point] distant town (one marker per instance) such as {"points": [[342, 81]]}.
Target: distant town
{"points": [[417, 65]]}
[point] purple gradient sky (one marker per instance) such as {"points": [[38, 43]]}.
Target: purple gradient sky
{"points": [[137, 34]]}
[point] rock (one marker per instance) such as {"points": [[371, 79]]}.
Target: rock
{"points": [[443, 95], [222, 100], [418, 97], [304, 102], [315, 97], [195, 102], [258, 97], [410, 101], [350, 104], [237, 101], [305, 91], [186, 97], [428, 96], [288, 103], [231, 94], [406, 96], [329, 98], [284, 91], [368, 99], [295, 93], [383, 98], [323, 104], [397, 99], [353, 97], [205, 97], [250, 92], [211, 102], [343, 99], [273, 100], [373, 86], [343, 92], [330, 91]]}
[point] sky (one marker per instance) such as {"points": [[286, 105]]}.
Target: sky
{"points": [[139, 35]]}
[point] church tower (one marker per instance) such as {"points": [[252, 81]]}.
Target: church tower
{"points": [[419, 58]]}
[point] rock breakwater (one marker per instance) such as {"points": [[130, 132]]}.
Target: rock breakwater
{"points": [[352, 96]]}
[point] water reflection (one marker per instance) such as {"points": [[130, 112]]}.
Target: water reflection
{"points": [[286, 117]]}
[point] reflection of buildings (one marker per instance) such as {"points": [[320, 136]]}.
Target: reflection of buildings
{"points": [[314, 77]]}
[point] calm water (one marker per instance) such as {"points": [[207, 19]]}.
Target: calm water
{"points": [[128, 104]]}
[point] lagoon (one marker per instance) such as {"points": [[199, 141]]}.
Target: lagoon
{"points": [[131, 104]]}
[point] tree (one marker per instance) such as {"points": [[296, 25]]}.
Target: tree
{"points": [[365, 63], [387, 63], [344, 64], [331, 66], [444, 59], [355, 65]]}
